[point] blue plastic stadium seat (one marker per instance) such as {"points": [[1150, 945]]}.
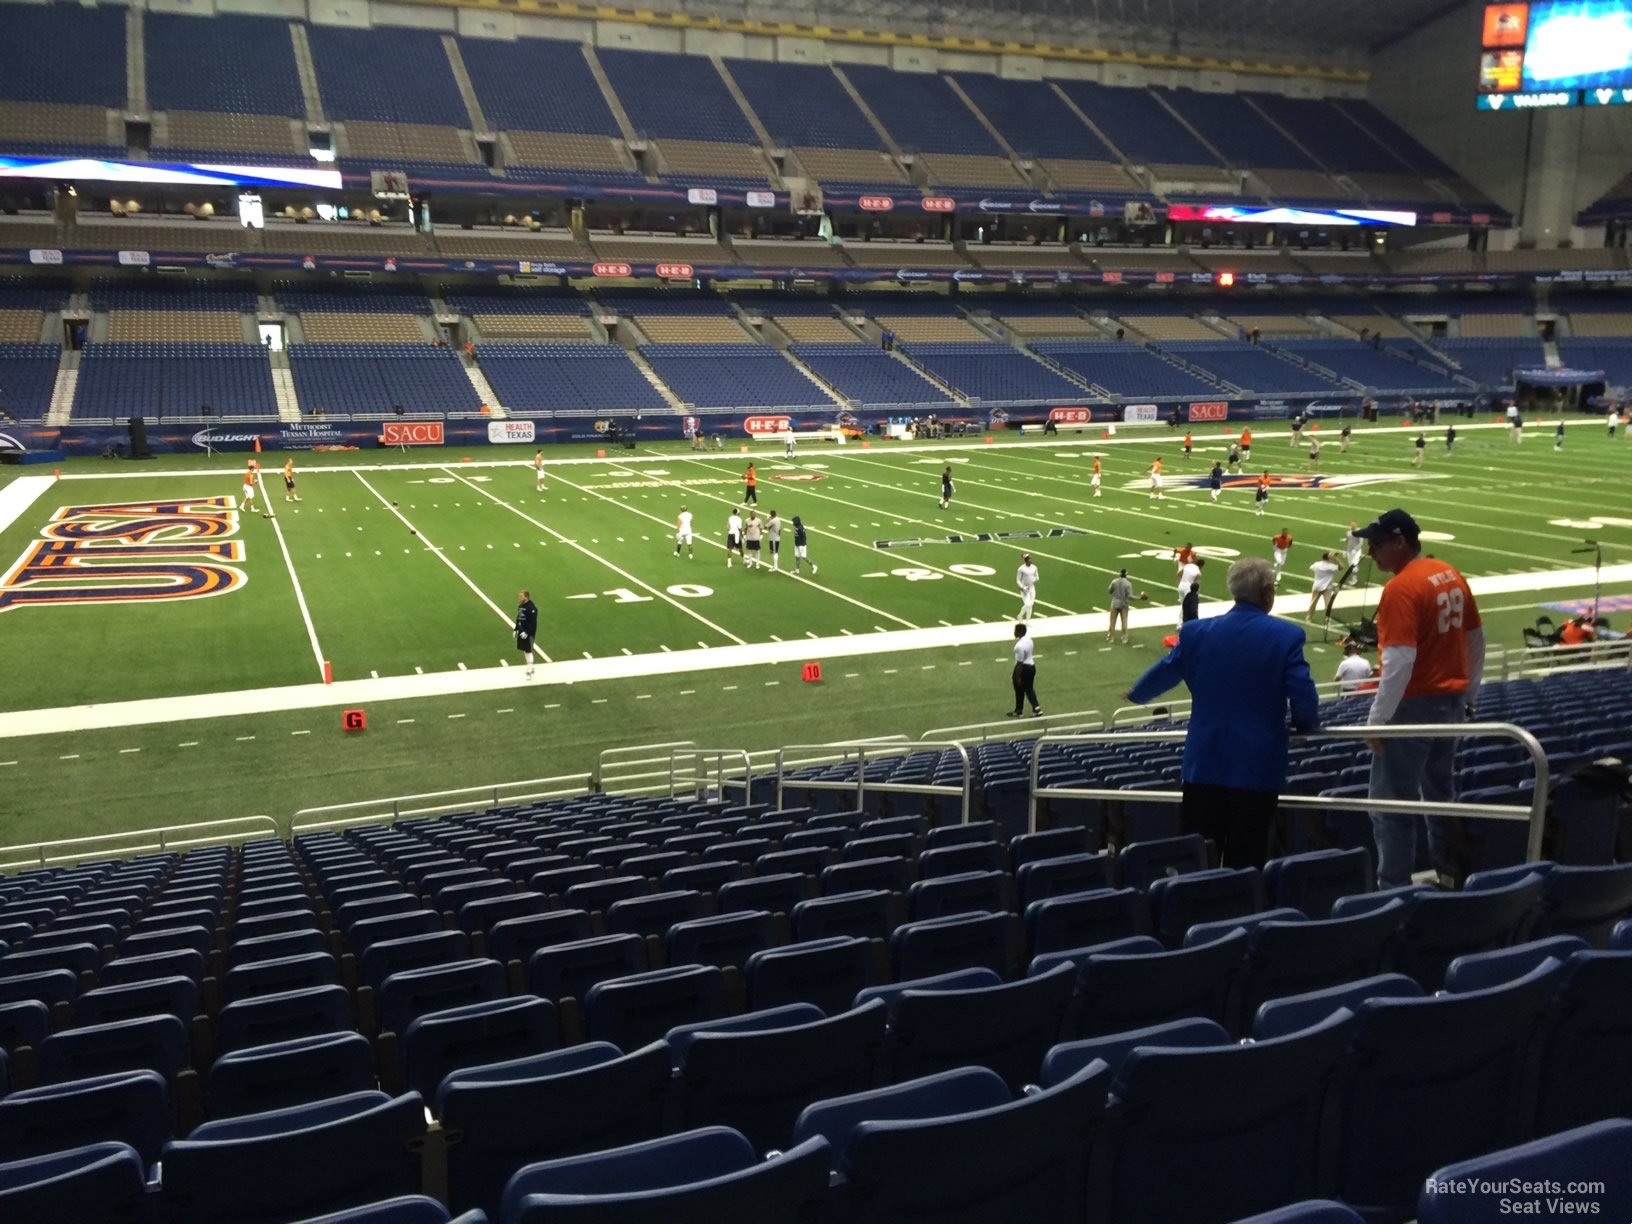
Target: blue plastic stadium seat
{"points": [[1288, 1014], [971, 892], [963, 941], [1070, 1057], [1041, 878], [957, 1147], [1080, 920], [885, 873], [264, 947], [632, 1011], [404, 1209], [278, 976], [699, 1177], [505, 1115], [283, 1017], [1142, 863], [1588, 1154], [570, 970], [129, 1107], [104, 1182], [286, 1073], [864, 914], [154, 1043], [442, 1042], [756, 1072], [1482, 970], [1581, 1055], [825, 972], [24, 1023], [1584, 901], [1310, 1211], [1314, 881], [342, 1152], [516, 939], [1439, 927], [1208, 1134], [1428, 1082], [1129, 988], [654, 914], [723, 940], [1179, 902], [166, 996]]}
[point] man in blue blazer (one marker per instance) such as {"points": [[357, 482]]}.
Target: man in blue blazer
{"points": [[1244, 669]]}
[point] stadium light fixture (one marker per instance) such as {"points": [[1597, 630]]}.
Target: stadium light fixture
{"points": [[1226, 280]]}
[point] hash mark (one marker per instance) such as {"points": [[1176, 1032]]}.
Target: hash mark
{"points": [[128, 751], [401, 721], [688, 692], [188, 744], [455, 715], [300, 733], [510, 711], [72, 756], [242, 739]]}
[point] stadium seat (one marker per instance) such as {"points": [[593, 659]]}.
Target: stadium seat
{"points": [[1041, 878], [1141, 985], [1311, 1211], [1427, 1082], [25, 1023], [1585, 1155], [723, 940], [970, 892], [1289, 958], [654, 914], [1314, 881], [1290, 1013], [699, 1177], [631, 1011], [128, 1107], [505, 1115], [265, 947], [1065, 842], [153, 1043], [1179, 902], [1482, 970], [865, 914], [1006, 1028], [962, 941], [1584, 901], [957, 1147], [404, 1209], [569, 970], [1580, 1065], [287, 1073], [1142, 863], [283, 1017], [278, 976], [756, 1072], [1208, 1134], [1070, 1057], [343, 1152], [471, 1035], [516, 939], [104, 1182], [411, 993], [777, 894], [1439, 927], [828, 973], [166, 996], [889, 873], [1081, 920]]}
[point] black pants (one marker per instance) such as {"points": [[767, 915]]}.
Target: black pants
{"points": [[1236, 820], [750, 494], [1025, 687]]}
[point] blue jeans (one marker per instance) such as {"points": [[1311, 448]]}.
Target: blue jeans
{"points": [[1413, 769]]}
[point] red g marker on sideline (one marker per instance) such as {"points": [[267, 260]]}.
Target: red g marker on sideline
{"points": [[354, 720]]}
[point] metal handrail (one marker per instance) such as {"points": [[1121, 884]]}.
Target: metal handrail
{"points": [[618, 760], [164, 837], [713, 761], [1584, 656], [1535, 813], [1009, 728], [879, 751], [492, 794]]}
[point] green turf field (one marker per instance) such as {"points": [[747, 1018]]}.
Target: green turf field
{"points": [[402, 572]]}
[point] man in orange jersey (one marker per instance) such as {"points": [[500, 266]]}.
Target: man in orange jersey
{"points": [[247, 502], [1577, 632], [1094, 480], [750, 486], [1283, 545], [1260, 499], [1433, 650], [1246, 445], [1182, 556], [1187, 444], [1156, 479]]}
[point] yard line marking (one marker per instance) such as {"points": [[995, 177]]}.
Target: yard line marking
{"points": [[703, 644], [419, 671], [188, 744], [400, 721], [3, 764], [587, 655], [554, 705], [664, 649], [772, 683], [643, 696], [504, 711], [688, 692], [774, 638], [728, 688], [128, 751], [890, 671], [927, 667], [627, 651], [713, 543], [69, 756], [446, 560], [300, 733], [462, 667], [851, 675], [622, 573], [294, 579], [810, 633], [244, 739], [966, 663], [455, 715], [598, 701]]}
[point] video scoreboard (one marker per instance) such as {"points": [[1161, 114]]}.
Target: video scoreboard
{"points": [[1552, 53]]}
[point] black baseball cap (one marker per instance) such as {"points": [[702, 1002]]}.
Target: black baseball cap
{"points": [[1390, 523]]}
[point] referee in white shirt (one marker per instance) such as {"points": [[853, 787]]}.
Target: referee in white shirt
{"points": [[1025, 675], [1026, 579]]}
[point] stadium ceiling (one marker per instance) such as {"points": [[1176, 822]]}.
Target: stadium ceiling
{"points": [[1326, 32]]}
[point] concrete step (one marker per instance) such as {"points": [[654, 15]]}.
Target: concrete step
{"points": [[485, 390], [62, 397]]}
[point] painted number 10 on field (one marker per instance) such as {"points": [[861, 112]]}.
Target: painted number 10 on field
{"points": [[623, 595]]}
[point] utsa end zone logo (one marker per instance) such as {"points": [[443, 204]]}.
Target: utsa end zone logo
{"points": [[1249, 480], [124, 552]]}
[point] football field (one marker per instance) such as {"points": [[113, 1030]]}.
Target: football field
{"points": [[166, 651]]}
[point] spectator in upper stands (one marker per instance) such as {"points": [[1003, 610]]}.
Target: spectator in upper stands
{"points": [[1245, 670], [1433, 651]]}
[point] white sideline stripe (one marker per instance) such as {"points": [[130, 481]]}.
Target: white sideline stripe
{"points": [[1215, 441], [19, 495], [621, 573], [294, 578], [679, 662], [443, 557]]}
